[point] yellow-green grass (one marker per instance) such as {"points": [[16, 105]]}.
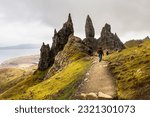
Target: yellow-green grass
{"points": [[8, 74], [60, 86], [20, 88], [131, 68], [10, 77], [133, 43]]}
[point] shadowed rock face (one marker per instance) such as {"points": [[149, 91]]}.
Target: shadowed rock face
{"points": [[60, 39], [109, 40], [74, 49], [44, 57], [89, 29], [90, 41]]}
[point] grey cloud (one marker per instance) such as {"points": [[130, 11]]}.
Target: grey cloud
{"points": [[124, 15]]}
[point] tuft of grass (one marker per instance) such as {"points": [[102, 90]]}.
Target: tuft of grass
{"points": [[131, 68]]}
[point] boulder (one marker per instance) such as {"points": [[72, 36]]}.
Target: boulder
{"points": [[91, 96], [103, 96], [82, 96]]}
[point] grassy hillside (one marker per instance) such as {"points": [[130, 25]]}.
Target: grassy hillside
{"points": [[133, 43], [59, 86], [131, 68], [10, 77], [58, 82]]}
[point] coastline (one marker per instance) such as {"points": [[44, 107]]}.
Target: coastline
{"points": [[22, 62]]}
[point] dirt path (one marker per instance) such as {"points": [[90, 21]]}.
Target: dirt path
{"points": [[98, 83]]}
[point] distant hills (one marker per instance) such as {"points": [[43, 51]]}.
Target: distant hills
{"points": [[133, 42], [22, 46]]}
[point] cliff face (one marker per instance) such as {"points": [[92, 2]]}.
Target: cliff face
{"points": [[108, 40], [60, 39]]}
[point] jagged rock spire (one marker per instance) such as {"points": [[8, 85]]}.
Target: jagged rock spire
{"points": [[108, 40], [107, 27], [60, 39], [44, 62], [55, 31], [89, 29], [105, 30], [69, 18], [68, 26]]}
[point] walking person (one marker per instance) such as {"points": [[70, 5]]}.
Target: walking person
{"points": [[100, 53]]}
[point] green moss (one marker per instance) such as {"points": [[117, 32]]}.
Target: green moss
{"points": [[131, 69]]}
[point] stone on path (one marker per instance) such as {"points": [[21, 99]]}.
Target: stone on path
{"points": [[82, 96], [91, 96], [102, 96]]}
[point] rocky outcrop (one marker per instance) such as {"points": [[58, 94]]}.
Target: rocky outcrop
{"points": [[89, 29], [75, 49], [90, 41], [146, 38], [108, 40], [44, 62], [60, 39]]}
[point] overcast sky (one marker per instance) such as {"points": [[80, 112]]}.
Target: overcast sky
{"points": [[33, 21]]}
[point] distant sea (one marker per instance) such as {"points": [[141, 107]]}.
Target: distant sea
{"points": [[6, 54]]}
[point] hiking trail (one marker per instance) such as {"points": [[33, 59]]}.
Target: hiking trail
{"points": [[98, 83]]}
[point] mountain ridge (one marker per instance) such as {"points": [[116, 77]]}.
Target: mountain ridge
{"points": [[22, 46]]}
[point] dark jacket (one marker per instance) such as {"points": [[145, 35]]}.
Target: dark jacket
{"points": [[100, 51]]}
